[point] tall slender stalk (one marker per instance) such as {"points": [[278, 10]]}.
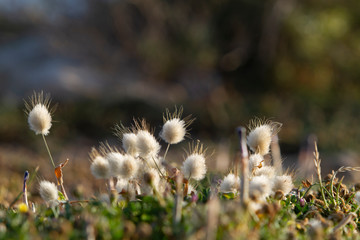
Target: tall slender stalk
{"points": [[48, 150], [244, 189], [178, 200], [276, 154], [25, 198], [317, 162], [166, 151]]}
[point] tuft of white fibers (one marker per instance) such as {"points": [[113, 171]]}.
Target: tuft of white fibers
{"points": [[194, 167], [129, 167], [49, 192], [147, 144], [255, 160], [100, 167], [267, 171], [173, 131], [151, 181], [283, 183], [260, 187], [39, 119], [121, 185], [259, 139], [231, 183], [115, 160], [129, 144], [38, 112]]}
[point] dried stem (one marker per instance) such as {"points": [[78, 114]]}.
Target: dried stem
{"points": [[64, 192], [345, 221], [212, 218], [276, 154], [166, 151], [317, 162], [178, 200], [244, 166]]}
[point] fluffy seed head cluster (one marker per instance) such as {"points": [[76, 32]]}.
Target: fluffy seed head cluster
{"points": [[261, 132], [115, 160], [283, 183], [146, 144], [231, 183], [39, 115], [255, 161], [129, 144], [260, 187], [49, 192], [267, 171], [129, 167], [194, 167], [100, 166], [174, 129], [151, 180], [121, 185]]}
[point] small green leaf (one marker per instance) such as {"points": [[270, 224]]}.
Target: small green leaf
{"points": [[61, 196]]}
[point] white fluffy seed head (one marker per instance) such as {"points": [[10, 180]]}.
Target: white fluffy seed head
{"points": [[147, 144], [260, 187], [231, 183], [100, 167], [129, 167], [115, 160], [129, 144], [39, 119], [173, 131], [151, 180], [194, 167], [259, 139], [121, 185], [283, 183], [255, 160], [267, 171], [49, 192], [151, 177]]}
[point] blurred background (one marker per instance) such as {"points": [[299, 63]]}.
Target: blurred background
{"points": [[225, 61]]}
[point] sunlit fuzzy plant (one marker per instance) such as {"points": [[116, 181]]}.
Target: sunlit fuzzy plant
{"points": [[39, 111], [137, 166], [137, 174]]}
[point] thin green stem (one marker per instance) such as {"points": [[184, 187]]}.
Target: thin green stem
{"points": [[322, 193], [48, 150], [309, 189], [166, 151], [157, 166]]}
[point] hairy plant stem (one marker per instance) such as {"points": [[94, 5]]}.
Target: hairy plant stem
{"points": [[166, 151], [158, 168], [48, 150]]}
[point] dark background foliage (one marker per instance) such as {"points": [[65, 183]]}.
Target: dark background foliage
{"points": [[226, 61]]}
